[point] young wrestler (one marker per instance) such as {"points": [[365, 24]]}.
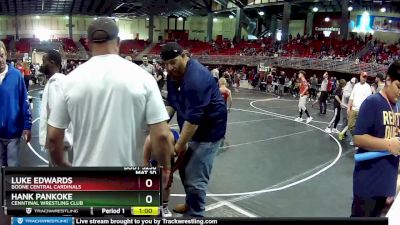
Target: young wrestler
{"points": [[167, 172], [226, 93]]}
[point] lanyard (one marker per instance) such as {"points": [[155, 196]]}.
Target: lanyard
{"points": [[391, 108]]}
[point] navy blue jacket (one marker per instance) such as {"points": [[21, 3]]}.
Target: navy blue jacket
{"points": [[15, 114], [197, 99]]}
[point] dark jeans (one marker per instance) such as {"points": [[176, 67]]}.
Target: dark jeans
{"points": [[367, 207], [160, 84], [313, 93], [9, 152], [322, 102], [336, 117], [26, 79]]}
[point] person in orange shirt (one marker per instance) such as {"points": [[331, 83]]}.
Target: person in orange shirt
{"points": [[303, 92], [27, 74], [20, 68]]}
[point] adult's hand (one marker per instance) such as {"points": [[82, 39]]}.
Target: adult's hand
{"points": [[180, 148], [26, 134], [394, 146]]}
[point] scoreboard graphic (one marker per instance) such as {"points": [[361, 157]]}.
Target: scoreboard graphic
{"points": [[128, 191]]}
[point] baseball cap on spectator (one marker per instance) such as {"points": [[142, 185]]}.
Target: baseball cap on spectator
{"points": [[103, 29], [170, 51], [353, 80]]}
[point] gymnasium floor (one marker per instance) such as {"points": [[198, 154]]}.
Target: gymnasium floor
{"points": [[269, 166]]}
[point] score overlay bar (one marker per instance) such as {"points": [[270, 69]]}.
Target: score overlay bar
{"points": [[71, 190]]}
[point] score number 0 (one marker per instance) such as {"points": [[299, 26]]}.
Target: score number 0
{"points": [[149, 183]]}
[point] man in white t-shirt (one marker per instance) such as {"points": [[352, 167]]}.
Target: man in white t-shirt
{"points": [[109, 108], [51, 68], [345, 101], [323, 95], [359, 93]]}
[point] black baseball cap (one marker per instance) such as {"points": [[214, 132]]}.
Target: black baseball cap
{"points": [[103, 29], [170, 51]]}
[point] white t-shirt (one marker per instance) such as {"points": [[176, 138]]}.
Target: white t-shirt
{"points": [[324, 85], [110, 101], [347, 89], [49, 99], [359, 94], [215, 73]]}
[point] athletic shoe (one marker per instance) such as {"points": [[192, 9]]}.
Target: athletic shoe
{"points": [[336, 131], [309, 119], [341, 136], [165, 211], [181, 208], [328, 130], [298, 119]]}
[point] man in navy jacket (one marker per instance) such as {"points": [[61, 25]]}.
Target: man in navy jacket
{"points": [[15, 115], [202, 116]]}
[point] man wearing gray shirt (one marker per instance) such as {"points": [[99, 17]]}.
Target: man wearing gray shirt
{"points": [[324, 95], [147, 66], [313, 88]]}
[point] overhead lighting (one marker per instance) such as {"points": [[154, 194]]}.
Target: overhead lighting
{"points": [[95, 18], [180, 18], [66, 17], [147, 18], [231, 17], [315, 9], [350, 8], [390, 21], [215, 19], [37, 17], [261, 13], [43, 34], [383, 9], [116, 19], [327, 19], [279, 35]]}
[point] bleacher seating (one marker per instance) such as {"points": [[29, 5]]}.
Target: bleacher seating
{"points": [[84, 42], [316, 48], [302, 47], [382, 53], [195, 47], [68, 45], [132, 47], [6, 42], [24, 44]]}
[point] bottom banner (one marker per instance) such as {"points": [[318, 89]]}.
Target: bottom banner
{"points": [[200, 221]]}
